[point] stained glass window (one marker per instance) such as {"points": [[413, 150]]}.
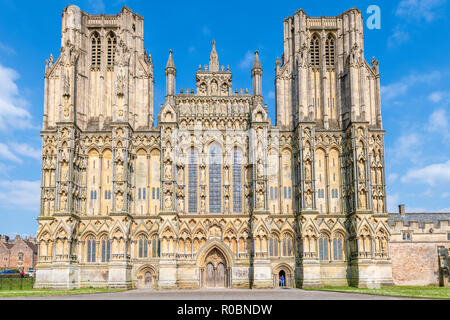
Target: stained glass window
{"points": [[215, 181], [192, 182], [237, 182]]}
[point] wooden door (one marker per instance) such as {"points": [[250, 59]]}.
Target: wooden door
{"points": [[220, 276], [210, 281], [148, 280]]}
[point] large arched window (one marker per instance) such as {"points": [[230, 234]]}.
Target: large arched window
{"points": [[329, 51], [192, 182], [323, 247], [112, 41], [237, 181], [143, 247], [106, 249], [91, 249], [315, 51], [215, 180], [338, 247], [155, 245], [95, 51], [275, 248], [287, 245]]}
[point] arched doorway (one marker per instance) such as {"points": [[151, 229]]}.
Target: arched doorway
{"points": [[285, 272], [148, 281], [216, 270], [146, 277], [282, 279]]}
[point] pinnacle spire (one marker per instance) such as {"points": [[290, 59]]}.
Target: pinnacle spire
{"points": [[170, 63], [256, 63], [214, 58]]}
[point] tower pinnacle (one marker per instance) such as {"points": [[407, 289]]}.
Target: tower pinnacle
{"points": [[214, 59]]}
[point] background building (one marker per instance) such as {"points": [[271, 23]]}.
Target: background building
{"points": [[18, 254], [414, 248], [214, 195]]}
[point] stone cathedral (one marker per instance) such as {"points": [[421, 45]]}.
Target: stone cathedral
{"points": [[210, 194]]}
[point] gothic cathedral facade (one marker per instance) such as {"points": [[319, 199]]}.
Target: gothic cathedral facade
{"points": [[213, 195]]}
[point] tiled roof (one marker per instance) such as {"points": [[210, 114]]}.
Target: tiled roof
{"points": [[421, 218]]}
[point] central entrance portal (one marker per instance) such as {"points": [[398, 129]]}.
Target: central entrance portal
{"points": [[215, 270]]}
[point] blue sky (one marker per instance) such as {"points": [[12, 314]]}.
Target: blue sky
{"points": [[412, 47]]}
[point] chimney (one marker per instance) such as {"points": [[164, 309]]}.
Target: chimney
{"points": [[401, 209]]}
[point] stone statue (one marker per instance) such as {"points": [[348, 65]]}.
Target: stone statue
{"points": [[308, 200], [168, 201], [180, 205], [203, 205], [180, 175], [119, 202], [63, 201], [168, 171], [119, 171]]}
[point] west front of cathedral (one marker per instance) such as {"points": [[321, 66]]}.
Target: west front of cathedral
{"points": [[213, 195]]}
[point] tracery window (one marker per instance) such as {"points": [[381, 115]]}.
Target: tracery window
{"points": [[337, 248], [91, 250], [323, 247], [192, 182], [112, 41], [287, 246], [106, 249], [143, 247], [155, 245], [329, 51], [237, 182], [315, 51], [215, 181], [95, 51]]}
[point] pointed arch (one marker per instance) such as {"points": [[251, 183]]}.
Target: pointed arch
{"points": [[314, 48], [96, 45], [111, 40], [215, 178], [330, 50]]}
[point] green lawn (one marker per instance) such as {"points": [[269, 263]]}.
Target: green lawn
{"points": [[43, 292], [411, 292]]}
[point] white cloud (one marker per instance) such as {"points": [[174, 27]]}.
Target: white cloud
{"points": [[19, 194], [271, 95], [432, 174], [393, 202], [7, 49], [247, 62], [439, 123], [407, 146], [398, 37], [435, 97], [12, 107], [392, 178], [26, 150], [401, 87], [11, 151], [419, 9], [7, 154]]}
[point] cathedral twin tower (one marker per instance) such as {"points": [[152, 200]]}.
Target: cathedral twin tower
{"points": [[214, 195]]}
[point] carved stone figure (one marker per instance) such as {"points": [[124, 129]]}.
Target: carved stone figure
{"points": [[168, 171], [168, 201]]}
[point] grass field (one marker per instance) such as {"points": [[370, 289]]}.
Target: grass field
{"points": [[10, 284], [39, 292], [411, 292]]}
